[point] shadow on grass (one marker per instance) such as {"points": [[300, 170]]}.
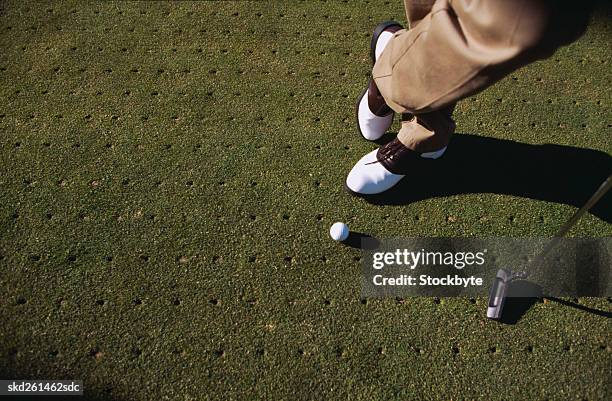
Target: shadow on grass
{"points": [[580, 307], [517, 306], [476, 164], [361, 241], [517, 303]]}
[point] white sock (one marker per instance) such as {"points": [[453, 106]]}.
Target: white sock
{"points": [[381, 43]]}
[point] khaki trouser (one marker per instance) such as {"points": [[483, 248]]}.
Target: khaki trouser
{"points": [[455, 48]]}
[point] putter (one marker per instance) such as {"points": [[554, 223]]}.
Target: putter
{"points": [[499, 288], [497, 295]]}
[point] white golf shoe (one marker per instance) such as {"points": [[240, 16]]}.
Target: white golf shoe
{"points": [[382, 168], [373, 115], [370, 177]]}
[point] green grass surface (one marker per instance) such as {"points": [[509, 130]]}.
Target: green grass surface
{"points": [[169, 175]]}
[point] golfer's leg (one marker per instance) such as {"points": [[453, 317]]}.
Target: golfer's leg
{"points": [[460, 48], [422, 139], [373, 116], [428, 132], [450, 53], [416, 10], [463, 46]]}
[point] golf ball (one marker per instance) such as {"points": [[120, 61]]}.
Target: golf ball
{"points": [[339, 231]]}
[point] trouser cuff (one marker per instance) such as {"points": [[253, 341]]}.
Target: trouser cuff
{"points": [[427, 132]]}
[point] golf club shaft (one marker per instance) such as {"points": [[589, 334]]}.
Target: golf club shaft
{"points": [[601, 191]]}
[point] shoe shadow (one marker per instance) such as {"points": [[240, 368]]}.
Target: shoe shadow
{"points": [[476, 164]]}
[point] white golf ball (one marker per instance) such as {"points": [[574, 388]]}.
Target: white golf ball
{"points": [[339, 231]]}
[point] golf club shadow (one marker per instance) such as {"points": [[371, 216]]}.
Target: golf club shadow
{"points": [[522, 295], [476, 164], [361, 241], [581, 307]]}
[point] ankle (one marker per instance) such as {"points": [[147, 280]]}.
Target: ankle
{"points": [[376, 102]]}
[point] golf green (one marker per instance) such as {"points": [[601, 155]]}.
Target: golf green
{"points": [[170, 171]]}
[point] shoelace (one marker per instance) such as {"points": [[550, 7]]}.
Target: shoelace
{"points": [[386, 153]]}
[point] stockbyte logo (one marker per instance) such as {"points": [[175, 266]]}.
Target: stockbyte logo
{"points": [[412, 259]]}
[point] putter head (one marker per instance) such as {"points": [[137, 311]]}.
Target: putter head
{"points": [[499, 291], [497, 294]]}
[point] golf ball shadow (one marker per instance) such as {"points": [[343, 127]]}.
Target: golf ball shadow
{"points": [[361, 241]]}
